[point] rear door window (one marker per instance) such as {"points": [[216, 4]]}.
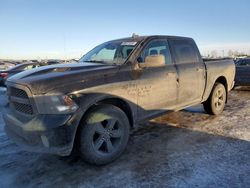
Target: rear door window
{"points": [[185, 51]]}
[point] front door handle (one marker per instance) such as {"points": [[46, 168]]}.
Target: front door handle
{"points": [[199, 69]]}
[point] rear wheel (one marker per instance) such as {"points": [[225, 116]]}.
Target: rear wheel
{"points": [[104, 135], [216, 102]]}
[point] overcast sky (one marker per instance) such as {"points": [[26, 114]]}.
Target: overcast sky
{"points": [[31, 29]]}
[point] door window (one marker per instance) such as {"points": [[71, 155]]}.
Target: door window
{"points": [[245, 62], [157, 48], [248, 62], [185, 51]]}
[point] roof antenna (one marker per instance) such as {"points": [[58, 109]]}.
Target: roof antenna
{"points": [[134, 35]]}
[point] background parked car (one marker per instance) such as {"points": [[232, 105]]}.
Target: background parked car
{"points": [[21, 67], [7, 65], [242, 77]]}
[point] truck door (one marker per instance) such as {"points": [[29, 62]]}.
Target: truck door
{"points": [[190, 70], [157, 87]]}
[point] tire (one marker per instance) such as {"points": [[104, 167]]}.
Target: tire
{"points": [[216, 102], [104, 135]]}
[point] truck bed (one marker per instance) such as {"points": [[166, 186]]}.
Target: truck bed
{"points": [[218, 68]]}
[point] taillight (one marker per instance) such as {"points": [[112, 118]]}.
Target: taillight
{"points": [[3, 75]]}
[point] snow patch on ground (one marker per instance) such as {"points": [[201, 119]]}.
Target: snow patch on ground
{"points": [[182, 149]]}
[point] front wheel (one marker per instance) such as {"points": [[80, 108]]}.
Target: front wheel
{"points": [[104, 135], [216, 102]]}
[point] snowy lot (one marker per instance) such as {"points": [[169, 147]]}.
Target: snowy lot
{"points": [[181, 149]]}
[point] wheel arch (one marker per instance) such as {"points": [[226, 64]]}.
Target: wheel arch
{"points": [[89, 102], [210, 85], [122, 104]]}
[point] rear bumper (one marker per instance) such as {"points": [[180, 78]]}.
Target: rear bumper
{"points": [[43, 133]]}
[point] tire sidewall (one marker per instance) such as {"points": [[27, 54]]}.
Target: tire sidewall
{"points": [[87, 150], [213, 108]]}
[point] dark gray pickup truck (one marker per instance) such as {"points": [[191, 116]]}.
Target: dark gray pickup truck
{"points": [[91, 106]]}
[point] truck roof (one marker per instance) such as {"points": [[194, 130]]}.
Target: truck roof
{"points": [[140, 38]]}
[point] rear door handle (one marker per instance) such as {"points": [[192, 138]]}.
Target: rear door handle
{"points": [[169, 73], [177, 82]]}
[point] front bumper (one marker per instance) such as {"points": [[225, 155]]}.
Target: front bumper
{"points": [[43, 133]]}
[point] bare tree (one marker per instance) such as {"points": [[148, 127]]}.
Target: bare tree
{"points": [[214, 54], [230, 53], [236, 53]]}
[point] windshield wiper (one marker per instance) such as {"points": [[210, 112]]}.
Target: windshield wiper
{"points": [[95, 61], [101, 62]]}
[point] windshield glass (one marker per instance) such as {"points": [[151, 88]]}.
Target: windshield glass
{"points": [[114, 52]]}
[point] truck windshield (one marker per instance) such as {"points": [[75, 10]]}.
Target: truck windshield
{"points": [[114, 52]]}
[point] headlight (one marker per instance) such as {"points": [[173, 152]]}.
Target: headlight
{"points": [[55, 104]]}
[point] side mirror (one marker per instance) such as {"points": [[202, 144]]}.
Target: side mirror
{"points": [[153, 61]]}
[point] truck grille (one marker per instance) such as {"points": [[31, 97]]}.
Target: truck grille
{"points": [[24, 108], [19, 100], [18, 92]]}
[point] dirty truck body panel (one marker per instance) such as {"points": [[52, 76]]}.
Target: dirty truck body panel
{"points": [[37, 119]]}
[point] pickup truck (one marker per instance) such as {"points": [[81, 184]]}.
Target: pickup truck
{"points": [[91, 106]]}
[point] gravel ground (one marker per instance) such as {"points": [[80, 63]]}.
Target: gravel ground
{"points": [[181, 149]]}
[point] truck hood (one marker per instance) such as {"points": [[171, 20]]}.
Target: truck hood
{"points": [[63, 77]]}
